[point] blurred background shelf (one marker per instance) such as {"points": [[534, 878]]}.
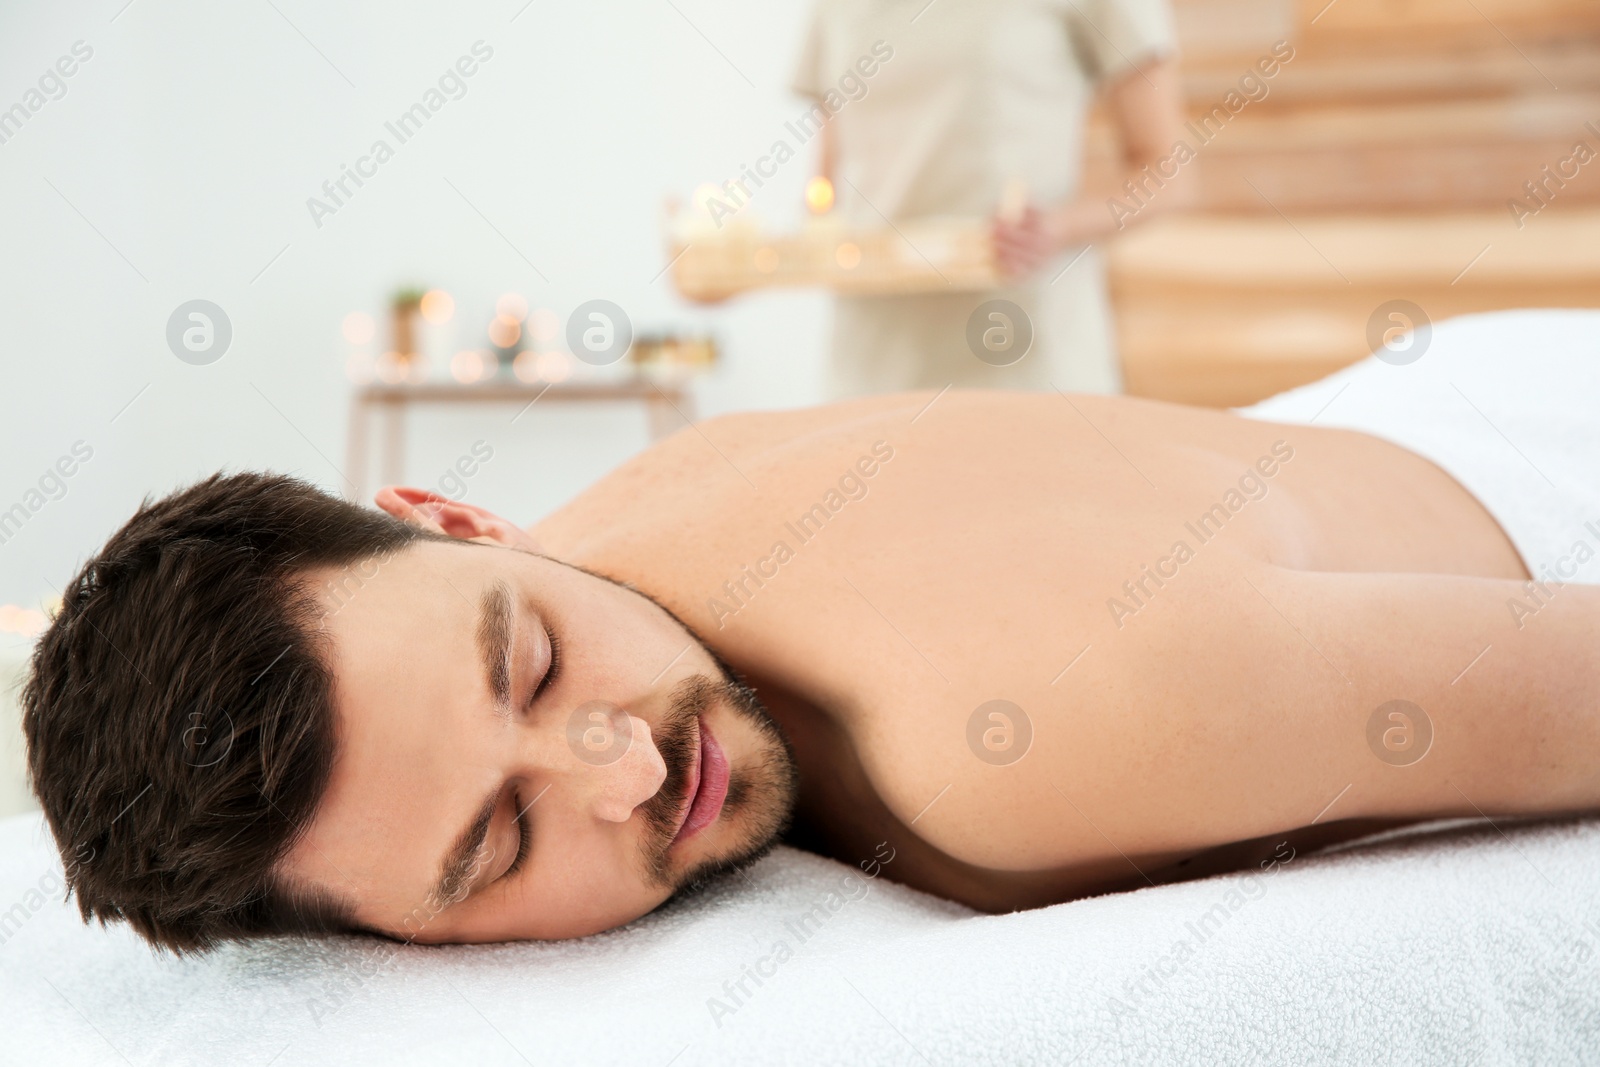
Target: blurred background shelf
{"points": [[667, 404]]}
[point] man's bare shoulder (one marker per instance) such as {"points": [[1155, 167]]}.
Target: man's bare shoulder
{"points": [[760, 436], [720, 454], [754, 433], [721, 465]]}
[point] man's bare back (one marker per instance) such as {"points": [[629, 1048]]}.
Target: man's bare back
{"points": [[1193, 619]]}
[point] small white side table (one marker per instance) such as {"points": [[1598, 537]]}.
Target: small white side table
{"points": [[667, 404]]}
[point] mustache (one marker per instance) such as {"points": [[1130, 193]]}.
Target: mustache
{"points": [[764, 790], [677, 739]]}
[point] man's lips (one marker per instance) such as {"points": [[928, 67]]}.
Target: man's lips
{"points": [[708, 786]]}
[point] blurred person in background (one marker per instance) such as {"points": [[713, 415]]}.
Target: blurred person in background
{"points": [[976, 95]]}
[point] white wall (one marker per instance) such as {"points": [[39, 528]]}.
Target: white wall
{"points": [[190, 142]]}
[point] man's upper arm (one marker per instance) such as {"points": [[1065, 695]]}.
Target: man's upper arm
{"points": [[1316, 694], [1246, 699]]}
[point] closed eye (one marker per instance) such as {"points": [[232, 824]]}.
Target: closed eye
{"points": [[551, 672], [524, 824], [524, 836]]}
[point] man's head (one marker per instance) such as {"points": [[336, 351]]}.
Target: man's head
{"points": [[262, 709]]}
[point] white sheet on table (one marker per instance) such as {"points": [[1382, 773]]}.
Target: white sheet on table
{"points": [[1462, 946]]}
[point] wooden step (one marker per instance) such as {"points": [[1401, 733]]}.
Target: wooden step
{"points": [[1225, 311], [1516, 20], [1421, 105], [1431, 155], [1219, 33], [1390, 69]]}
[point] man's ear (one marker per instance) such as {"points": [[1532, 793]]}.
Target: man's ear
{"points": [[430, 511]]}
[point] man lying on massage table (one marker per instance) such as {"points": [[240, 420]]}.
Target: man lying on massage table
{"points": [[1025, 648]]}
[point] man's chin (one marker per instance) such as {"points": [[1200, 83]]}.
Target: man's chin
{"points": [[757, 809], [705, 872]]}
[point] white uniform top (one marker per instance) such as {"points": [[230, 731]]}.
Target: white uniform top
{"points": [[973, 94]]}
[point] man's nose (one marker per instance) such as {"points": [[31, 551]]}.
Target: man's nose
{"points": [[622, 770]]}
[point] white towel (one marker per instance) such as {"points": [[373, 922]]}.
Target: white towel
{"points": [[1507, 403], [1461, 946]]}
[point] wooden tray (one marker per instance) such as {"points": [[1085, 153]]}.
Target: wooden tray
{"points": [[917, 256]]}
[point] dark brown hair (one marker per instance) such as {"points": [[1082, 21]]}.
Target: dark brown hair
{"points": [[179, 713]]}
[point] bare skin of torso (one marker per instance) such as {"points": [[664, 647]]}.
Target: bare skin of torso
{"points": [[1222, 710]]}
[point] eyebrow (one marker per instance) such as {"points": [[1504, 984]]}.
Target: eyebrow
{"points": [[460, 861], [496, 621]]}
